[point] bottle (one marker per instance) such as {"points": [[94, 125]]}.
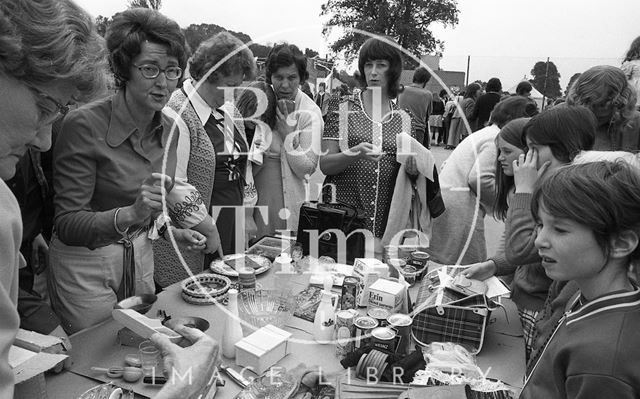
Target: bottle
{"points": [[325, 319], [283, 269], [232, 332]]}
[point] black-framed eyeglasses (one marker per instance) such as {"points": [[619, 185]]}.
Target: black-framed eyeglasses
{"points": [[151, 71], [50, 109]]}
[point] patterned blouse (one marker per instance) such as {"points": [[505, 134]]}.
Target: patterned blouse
{"points": [[365, 184]]}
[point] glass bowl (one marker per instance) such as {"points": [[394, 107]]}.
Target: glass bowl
{"points": [[262, 307]]}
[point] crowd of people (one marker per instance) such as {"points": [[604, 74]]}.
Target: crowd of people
{"points": [[195, 154]]}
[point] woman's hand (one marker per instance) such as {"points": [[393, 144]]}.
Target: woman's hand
{"points": [[480, 271], [193, 240], [213, 242], [39, 254], [148, 202], [367, 151], [284, 124], [411, 167], [526, 172], [189, 370]]}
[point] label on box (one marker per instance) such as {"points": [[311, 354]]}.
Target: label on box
{"points": [[365, 269], [386, 294]]}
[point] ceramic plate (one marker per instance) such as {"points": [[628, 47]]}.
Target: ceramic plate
{"points": [[218, 265]]}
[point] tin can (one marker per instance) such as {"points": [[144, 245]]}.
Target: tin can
{"points": [[364, 325], [349, 292], [419, 260], [246, 279], [345, 332], [384, 339], [380, 314], [402, 324]]}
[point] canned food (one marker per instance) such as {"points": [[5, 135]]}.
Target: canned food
{"points": [[345, 332], [364, 325], [410, 273], [384, 339], [349, 292], [402, 324], [380, 314]]}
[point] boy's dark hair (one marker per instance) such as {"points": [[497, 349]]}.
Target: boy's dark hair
{"points": [[511, 108], [604, 196], [494, 84], [421, 76], [523, 87]]}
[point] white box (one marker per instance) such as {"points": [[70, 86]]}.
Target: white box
{"points": [[368, 270], [386, 294], [262, 349]]}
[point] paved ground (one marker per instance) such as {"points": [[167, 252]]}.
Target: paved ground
{"points": [[493, 229]]}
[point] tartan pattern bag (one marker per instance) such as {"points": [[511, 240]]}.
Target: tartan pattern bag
{"points": [[444, 315]]}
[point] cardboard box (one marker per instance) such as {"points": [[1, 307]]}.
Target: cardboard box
{"points": [[386, 294], [262, 349], [30, 356], [368, 270]]}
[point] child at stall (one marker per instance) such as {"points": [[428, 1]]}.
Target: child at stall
{"points": [[553, 139], [588, 229]]}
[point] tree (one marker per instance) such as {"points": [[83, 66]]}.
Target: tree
{"points": [[407, 21], [310, 53], [571, 80], [152, 4], [102, 24], [546, 80]]}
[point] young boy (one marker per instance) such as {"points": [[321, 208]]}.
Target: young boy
{"points": [[588, 219]]}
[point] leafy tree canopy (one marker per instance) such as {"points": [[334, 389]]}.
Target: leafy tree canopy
{"points": [[407, 21], [546, 80], [571, 80], [153, 4]]}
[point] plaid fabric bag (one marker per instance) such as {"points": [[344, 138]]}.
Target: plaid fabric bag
{"points": [[444, 315]]}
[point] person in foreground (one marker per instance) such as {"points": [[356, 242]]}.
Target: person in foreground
{"points": [[51, 56], [588, 218], [190, 368]]}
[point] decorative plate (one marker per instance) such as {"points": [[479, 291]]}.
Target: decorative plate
{"points": [[205, 287], [219, 266]]}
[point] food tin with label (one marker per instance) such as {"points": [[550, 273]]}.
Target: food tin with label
{"points": [[364, 325], [349, 292], [380, 314], [402, 324], [384, 339], [345, 332], [419, 260]]}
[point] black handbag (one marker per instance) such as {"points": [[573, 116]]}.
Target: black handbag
{"points": [[317, 218]]}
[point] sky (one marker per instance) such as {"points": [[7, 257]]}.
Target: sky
{"points": [[503, 38]]}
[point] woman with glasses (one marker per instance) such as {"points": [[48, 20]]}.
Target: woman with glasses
{"points": [[51, 55], [213, 148], [111, 175]]}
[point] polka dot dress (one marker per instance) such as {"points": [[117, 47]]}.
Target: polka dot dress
{"points": [[365, 184]]}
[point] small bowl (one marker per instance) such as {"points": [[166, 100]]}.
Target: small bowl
{"points": [[262, 307], [140, 303], [193, 322]]}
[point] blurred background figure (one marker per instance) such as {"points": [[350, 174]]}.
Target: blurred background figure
{"points": [[461, 116], [631, 68], [418, 101], [483, 107], [606, 92]]}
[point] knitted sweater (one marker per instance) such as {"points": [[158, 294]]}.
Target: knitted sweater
{"points": [[530, 285], [200, 173]]}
